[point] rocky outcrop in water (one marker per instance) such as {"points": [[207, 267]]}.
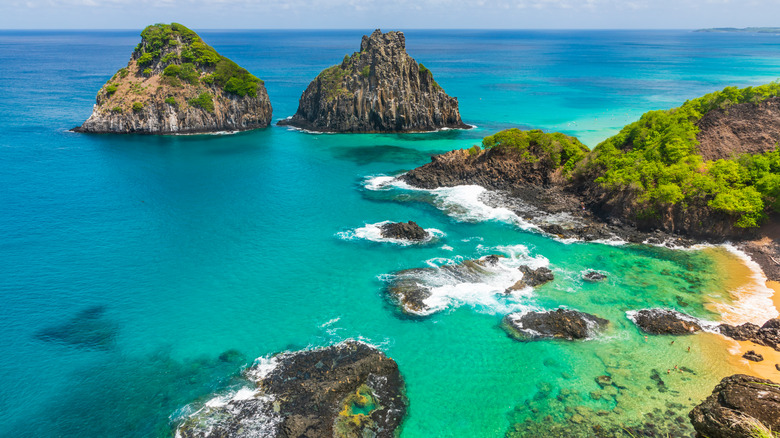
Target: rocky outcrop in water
{"points": [[176, 84], [404, 231], [752, 355], [665, 322], [410, 289], [560, 323], [594, 276], [532, 278], [738, 405], [349, 390], [767, 335], [378, 89]]}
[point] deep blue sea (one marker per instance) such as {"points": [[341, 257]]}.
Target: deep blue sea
{"points": [[129, 264]]}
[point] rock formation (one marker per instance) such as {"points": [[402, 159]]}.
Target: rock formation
{"points": [[752, 355], [378, 89], [739, 405], [594, 276], [346, 390], [405, 231], [410, 289], [767, 335], [665, 322], [560, 323], [532, 278], [176, 84]]}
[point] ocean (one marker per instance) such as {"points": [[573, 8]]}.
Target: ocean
{"points": [[140, 274]]}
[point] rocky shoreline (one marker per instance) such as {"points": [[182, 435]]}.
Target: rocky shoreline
{"points": [[545, 199], [348, 390]]}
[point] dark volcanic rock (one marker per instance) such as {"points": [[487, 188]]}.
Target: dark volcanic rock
{"points": [[175, 83], [767, 335], [406, 231], [735, 402], [594, 276], [664, 322], [532, 278], [410, 288], [560, 323], [752, 355], [346, 390], [378, 89]]}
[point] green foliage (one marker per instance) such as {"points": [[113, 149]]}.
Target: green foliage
{"points": [[137, 107], [366, 71], [235, 79], [657, 158], [116, 109], [147, 72], [196, 56], [474, 150], [203, 101], [123, 72], [111, 89], [145, 59], [424, 70], [554, 149], [171, 81], [330, 81], [170, 100], [186, 72], [170, 57], [208, 79]]}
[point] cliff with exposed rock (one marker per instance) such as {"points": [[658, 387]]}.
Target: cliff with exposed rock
{"points": [[175, 83], [378, 89]]}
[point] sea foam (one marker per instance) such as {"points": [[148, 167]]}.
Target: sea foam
{"points": [[373, 232]]}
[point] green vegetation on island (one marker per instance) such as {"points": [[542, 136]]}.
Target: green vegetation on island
{"points": [[657, 159], [187, 58], [556, 150]]}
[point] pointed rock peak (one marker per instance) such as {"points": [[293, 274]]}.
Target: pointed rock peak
{"points": [[394, 40]]}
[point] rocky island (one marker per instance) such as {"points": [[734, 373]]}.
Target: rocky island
{"points": [[709, 169], [348, 390], [378, 89], [175, 83]]}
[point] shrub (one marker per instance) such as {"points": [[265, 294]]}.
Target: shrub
{"points": [[138, 106], [147, 72], [111, 89], [123, 72], [145, 59], [554, 149], [170, 81], [203, 101], [172, 70], [173, 56], [116, 109], [170, 100], [366, 71]]}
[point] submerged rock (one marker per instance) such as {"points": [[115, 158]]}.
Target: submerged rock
{"points": [[405, 231], [767, 335], [532, 278], [175, 83], [88, 329], [752, 355], [664, 322], [346, 390], [378, 89], [594, 276], [560, 323], [410, 288], [737, 404]]}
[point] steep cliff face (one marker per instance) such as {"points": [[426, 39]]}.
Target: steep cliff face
{"points": [[752, 128], [378, 89], [175, 83]]}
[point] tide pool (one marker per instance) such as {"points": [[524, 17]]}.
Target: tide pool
{"points": [[139, 274]]}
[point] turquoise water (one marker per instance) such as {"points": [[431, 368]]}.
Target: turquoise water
{"points": [[130, 264]]}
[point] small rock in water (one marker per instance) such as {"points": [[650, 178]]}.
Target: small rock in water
{"points": [[752, 355], [559, 323], [664, 322], [594, 276], [532, 278], [406, 231]]}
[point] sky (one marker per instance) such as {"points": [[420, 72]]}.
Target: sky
{"points": [[397, 14]]}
